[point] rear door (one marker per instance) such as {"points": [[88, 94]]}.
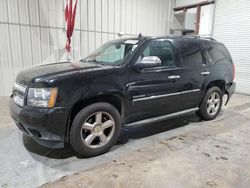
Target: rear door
{"points": [[195, 71]]}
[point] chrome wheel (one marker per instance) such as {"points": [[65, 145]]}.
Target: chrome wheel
{"points": [[97, 130], [213, 103]]}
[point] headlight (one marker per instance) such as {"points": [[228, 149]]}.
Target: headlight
{"points": [[42, 97]]}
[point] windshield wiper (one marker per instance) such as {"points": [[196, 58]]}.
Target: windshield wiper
{"points": [[93, 61], [84, 60]]}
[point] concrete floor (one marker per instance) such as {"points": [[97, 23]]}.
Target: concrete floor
{"points": [[182, 152]]}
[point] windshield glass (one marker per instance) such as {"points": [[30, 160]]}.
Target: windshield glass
{"points": [[112, 53]]}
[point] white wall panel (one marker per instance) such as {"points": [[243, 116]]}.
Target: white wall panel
{"points": [[231, 26], [56, 7], [111, 37], [84, 44], [44, 12], [91, 41], [53, 5], [98, 17], [3, 14], [57, 47], [76, 45], [13, 13], [7, 76], [78, 16], [34, 12], [111, 15], [16, 49], [36, 45], [140, 16], [98, 41], [134, 16], [128, 16], [1, 77], [45, 43], [91, 15], [23, 10], [33, 32], [117, 17], [105, 15], [84, 14], [26, 46], [104, 38], [123, 15]]}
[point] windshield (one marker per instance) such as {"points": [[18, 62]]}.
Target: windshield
{"points": [[112, 53]]}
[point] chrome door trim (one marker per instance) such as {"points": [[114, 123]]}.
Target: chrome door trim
{"points": [[205, 73], [160, 118], [174, 77], [165, 95]]}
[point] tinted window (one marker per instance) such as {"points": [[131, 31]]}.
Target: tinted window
{"points": [[191, 54], [218, 52], [163, 50]]}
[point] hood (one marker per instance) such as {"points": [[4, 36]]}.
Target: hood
{"points": [[43, 71]]}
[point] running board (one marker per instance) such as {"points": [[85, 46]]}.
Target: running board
{"points": [[160, 118]]}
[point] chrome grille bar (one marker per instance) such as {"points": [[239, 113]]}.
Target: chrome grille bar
{"points": [[20, 87], [18, 94]]}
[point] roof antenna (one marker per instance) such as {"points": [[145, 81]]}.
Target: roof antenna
{"points": [[140, 35]]}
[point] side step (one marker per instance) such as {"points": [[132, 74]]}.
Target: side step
{"points": [[160, 118]]}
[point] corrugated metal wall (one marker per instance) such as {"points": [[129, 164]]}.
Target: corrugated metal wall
{"points": [[232, 27], [32, 31]]}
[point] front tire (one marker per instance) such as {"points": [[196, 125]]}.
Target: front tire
{"points": [[95, 129], [211, 104]]}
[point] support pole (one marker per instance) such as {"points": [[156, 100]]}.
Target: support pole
{"points": [[198, 17]]}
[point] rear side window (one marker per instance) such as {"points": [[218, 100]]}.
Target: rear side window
{"points": [[218, 52], [191, 54]]}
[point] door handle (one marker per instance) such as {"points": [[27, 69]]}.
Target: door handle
{"points": [[174, 77], [205, 73]]}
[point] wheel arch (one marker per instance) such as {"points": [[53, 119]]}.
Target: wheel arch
{"points": [[112, 99], [115, 100], [219, 83]]}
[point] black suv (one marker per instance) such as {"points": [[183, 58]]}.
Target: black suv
{"points": [[125, 82]]}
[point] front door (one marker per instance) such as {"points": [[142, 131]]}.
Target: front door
{"points": [[154, 91]]}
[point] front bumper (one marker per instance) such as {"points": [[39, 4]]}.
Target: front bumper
{"points": [[46, 126]]}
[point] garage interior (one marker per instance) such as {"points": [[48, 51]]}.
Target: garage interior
{"points": [[180, 152]]}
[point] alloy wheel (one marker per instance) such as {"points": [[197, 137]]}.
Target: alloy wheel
{"points": [[98, 129], [213, 103]]}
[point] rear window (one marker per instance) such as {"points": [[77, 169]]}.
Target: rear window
{"points": [[218, 52], [191, 54]]}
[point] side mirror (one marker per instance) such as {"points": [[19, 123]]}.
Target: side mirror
{"points": [[149, 62]]}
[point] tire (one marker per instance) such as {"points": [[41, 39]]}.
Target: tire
{"points": [[95, 129], [209, 109]]}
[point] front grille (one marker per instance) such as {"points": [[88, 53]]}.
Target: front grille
{"points": [[19, 94]]}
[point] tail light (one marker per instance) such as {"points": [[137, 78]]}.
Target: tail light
{"points": [[233, 72]]}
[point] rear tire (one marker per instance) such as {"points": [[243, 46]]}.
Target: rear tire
{"points": [[95, 129], [210, 106]]}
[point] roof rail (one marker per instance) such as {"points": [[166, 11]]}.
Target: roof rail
{"points": [[207, 37]]}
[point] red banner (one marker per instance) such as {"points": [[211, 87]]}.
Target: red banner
{"points": [[70, 21]]}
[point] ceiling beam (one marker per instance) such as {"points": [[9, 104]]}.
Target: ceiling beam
{"points": [[203, 3]]}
